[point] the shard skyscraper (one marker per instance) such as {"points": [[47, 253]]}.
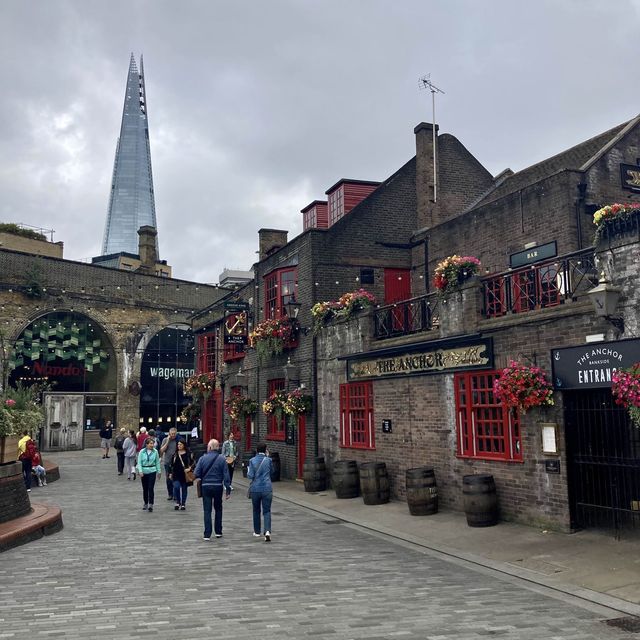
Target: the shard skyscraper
{"points": [[131, 202]]}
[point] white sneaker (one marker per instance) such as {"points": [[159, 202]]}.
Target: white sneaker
{"points": [[257, 535], [29, 490], [267, 536], [44, 483]]}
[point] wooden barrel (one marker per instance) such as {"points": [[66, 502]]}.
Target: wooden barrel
{"points": [[346, 479], [275, 463], [480, 500], [422, 492], [374, 483], [246, 457], [314, 474]]}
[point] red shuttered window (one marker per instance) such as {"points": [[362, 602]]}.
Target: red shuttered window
{"points": [[356, 415], [206, 358], [486, 430], [275, 427], [280, 287]]}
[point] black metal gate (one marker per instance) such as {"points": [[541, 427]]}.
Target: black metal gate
{"points": [[603, 461]]}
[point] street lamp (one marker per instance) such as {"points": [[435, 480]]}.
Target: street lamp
{"points": [[604, 298]]}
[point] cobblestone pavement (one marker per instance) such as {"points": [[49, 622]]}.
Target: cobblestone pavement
{"points": [[116, 571]]}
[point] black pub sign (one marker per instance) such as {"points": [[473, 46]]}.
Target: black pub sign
{"points": [[534, 254], [630, 176], [236, 325], [591, 366]]}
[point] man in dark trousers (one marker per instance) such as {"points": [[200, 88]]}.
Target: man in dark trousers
{"points": [[168, 448], [213, 472], [106, 433]]}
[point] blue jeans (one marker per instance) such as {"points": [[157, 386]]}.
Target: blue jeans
{"points": [[170, 488], [180, 492], [26, 472], [212, 496], [261, 498]]}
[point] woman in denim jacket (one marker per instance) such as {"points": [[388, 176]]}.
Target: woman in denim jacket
{"points": [[259, 472]]}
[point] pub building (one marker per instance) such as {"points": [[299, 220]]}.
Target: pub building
{"points": [[409, 382]]}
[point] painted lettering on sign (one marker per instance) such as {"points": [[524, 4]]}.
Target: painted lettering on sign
{"points": [[41, 369], [439, 360]]}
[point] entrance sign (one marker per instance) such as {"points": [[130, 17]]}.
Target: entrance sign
{"points": [[591, 366]]}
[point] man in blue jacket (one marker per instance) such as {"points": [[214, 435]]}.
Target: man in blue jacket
{"points": [[214, 475]]}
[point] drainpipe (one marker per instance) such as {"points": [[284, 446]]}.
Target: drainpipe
{"points": [[582, 194]]}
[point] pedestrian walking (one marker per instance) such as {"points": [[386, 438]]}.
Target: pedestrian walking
{"points": [[106, 433], [168, 449], [118, 445], [149, 469], [231, 452], [261, 491], [25, 452], [142, 438], [181, 463], [214, 475], [130, 451]]}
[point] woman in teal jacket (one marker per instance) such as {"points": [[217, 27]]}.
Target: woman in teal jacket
{"points": [[149, 469]]}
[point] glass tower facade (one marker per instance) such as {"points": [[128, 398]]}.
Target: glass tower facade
{"points": [[131, 202]]}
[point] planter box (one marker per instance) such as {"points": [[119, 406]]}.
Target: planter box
{"points": [[8, 449]]}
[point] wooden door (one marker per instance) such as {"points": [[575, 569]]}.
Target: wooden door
{"points": [[397, 287], [63, 422]]}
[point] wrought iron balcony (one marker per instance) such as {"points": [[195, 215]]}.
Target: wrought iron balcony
{"points": [[407, 317], [539, 286]]}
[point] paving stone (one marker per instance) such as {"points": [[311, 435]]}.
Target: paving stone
{"points": [[116, 571]]}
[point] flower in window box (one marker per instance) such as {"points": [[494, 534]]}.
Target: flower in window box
{"points": [[200, 385], [344, 307], [238, 407], [626, 390], [271, 336], [451, 272], [605, 217], [522, 387]]}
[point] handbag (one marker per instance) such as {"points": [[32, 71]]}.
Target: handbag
{"points": [[189, 476], [251, 483]]}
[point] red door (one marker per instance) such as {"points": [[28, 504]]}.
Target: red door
{"points": [[397, 287], [212, 417], [302, 442], [247, 434]]}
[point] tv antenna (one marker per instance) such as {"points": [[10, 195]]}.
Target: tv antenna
{"points": [[425, 83]]}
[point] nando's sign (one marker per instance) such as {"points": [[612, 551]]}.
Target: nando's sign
{"points": [[423, 359]]}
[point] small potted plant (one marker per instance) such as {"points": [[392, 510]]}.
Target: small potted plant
{"points": [[522, 387], [451, 272], [626, 390]]}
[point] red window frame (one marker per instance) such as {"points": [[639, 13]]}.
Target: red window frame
{"points": [[280, 287], [206, 357], [336, 205], [275, 427], [485, 429], [356, 415]]}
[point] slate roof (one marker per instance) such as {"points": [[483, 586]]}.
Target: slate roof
{"points": [[574, 158]]}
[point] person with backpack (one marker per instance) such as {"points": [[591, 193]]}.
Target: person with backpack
{"points": [[26, 448], [118, 445]]}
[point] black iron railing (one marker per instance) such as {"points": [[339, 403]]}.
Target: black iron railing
{"points": [[406, 317], [539, 286]]}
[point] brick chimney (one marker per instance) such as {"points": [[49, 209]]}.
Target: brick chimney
{"points": [[147, 249], [427, 209], [270, 240]]}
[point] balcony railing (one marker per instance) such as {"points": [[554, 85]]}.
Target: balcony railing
{"points": [[539, 286], [406, 317]]}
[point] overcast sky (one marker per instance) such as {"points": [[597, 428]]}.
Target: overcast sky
{"points": [[256, 108]]}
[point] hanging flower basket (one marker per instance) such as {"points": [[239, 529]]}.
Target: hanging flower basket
{"points": [[451, 272], [270, 337], [190, 412], [522, 387], [200, 385], [238, 407], [344, 307], [626, 390], [612, 217], [297, 403], [274, 404]]}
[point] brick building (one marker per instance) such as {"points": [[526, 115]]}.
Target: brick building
{"points": [[377, 394], [117, 344]]}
